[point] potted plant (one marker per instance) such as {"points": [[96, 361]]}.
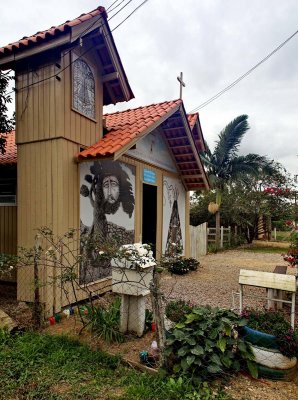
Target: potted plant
{"points": [[273, 341]]}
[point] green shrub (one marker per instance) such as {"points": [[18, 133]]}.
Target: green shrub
{"points": [[191, 263], [207, 344], [104, 322], [176, 310], [180, 265]]}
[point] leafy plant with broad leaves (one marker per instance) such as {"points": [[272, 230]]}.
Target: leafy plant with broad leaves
{"points": [[207, 344]]}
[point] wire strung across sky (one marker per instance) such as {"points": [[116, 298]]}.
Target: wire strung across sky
{"points": [[88, 28], [234, 83]]}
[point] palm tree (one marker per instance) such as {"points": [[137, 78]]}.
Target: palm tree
{"points": [[225, 165]]}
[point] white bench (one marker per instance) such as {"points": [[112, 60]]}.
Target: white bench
{"points": [[271, 281]]}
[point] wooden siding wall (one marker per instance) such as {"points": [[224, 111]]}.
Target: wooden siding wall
{"points": [[44, 110], [49, 136], [8, 235], [8, 229], [48, 195]]}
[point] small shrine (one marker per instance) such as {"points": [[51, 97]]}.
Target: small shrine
{"points": [[124, 175]]}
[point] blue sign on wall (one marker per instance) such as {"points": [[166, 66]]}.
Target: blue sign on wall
{"points": [[149, 176]]}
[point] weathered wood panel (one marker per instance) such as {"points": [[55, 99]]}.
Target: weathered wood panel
{"points": [[267, 280], [198, 240]]}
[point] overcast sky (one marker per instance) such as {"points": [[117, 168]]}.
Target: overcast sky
{"points": [[213, 42]]}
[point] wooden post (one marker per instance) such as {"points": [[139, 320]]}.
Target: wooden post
{"points": [[274, 233], [293, 311], [217, 230], [241, 299], [159, 315], [221, 236], [36, 305], [229, 236]]}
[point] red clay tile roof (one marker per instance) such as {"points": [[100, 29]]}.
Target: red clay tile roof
{"points": [[192, 118], [123, 127], [51, 33], [197, 133], [127, 127], [10, 156]]}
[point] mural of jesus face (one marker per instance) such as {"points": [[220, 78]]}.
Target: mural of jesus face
{"points": [[110, 187]]}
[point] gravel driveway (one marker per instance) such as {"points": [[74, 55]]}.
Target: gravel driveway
{"points": [[217, 278]]}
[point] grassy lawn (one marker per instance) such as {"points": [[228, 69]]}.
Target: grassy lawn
{"points": [[264, 249], [41, 367], [283, 236]]}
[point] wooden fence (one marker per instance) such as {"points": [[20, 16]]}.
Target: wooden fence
{"points": [[225, 236]]}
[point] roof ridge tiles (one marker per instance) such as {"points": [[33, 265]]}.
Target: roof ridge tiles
{"points": [[177, 101]]}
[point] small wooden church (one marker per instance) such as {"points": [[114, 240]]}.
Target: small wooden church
{"points": [[126, 174]]}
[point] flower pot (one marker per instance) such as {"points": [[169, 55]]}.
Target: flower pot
{"points": [[277, 374], [271, 363], [272, 358], [259, 338]]}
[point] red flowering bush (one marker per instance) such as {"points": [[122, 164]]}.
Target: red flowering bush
{"points": [[277, 191], [292, 255]]}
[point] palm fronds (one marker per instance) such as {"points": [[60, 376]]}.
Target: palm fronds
{"points": [[229, 140]]}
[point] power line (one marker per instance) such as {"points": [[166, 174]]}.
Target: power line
{"points": [[211, 99], [139, 6], [114, 15], [115, 6], [114, 2]]}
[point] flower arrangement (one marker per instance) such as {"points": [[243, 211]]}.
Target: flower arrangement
{"points": [[274, 323], [137, 255]]}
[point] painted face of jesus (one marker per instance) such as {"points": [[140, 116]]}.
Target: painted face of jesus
{"points": [[110, 185]]}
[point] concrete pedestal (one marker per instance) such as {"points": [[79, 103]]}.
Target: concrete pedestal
{"points": [[132, 314]]}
